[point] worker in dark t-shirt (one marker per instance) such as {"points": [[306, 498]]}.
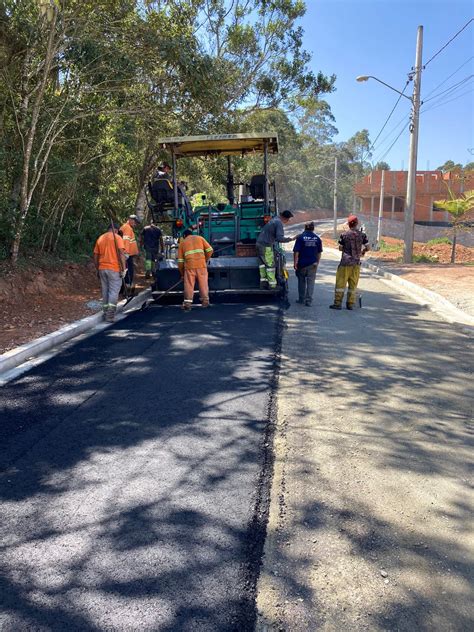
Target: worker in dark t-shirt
{"points": [[306, 255], [152, 241]]}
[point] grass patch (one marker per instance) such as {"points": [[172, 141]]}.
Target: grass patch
{"points": [[384, 247], [425, 259], [439, 240]]}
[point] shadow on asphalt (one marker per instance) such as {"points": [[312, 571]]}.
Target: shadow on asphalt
{"points": [[130, 472], [410, 381]]}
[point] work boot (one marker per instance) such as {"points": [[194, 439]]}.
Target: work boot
{"points": [[110, 315], [307, 303], [349, 307], [334, 306], [300, 301], [263, 284]]}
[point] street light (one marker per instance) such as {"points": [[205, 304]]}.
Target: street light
{"points": [[334, 195], [361, 78], [412, 158]]}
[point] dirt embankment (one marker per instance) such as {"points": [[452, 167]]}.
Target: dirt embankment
{"points": [[392, 251], [36, 301]]}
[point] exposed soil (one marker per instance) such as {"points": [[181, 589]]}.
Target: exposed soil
{"points": [[392, 251], [37, 301]]}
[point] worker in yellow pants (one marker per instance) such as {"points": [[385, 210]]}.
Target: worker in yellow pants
{"points": [[353, 244], [346, 275]]}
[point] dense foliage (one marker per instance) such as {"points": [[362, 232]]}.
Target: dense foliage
{"points": [[87, 87]]}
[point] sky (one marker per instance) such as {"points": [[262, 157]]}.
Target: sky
{"points": [[378, 37]]}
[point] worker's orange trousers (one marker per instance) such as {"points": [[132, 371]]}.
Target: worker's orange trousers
{"points": [[190, 277]]}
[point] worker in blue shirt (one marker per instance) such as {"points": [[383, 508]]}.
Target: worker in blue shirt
{"points": [[306, 255]]}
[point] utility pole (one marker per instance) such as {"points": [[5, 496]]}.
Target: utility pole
{"points": [[410, 202], [379, 225], [335, 198]]}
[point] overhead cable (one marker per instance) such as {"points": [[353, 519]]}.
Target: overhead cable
{"points": [[451, 75], [450, 89], [380, 159], [448, 42], [436, 105], [372, 145]]}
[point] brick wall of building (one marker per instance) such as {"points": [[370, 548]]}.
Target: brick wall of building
{"points": [[430, 187]]}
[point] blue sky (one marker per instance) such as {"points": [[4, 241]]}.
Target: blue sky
{"points": [[378, 37]]}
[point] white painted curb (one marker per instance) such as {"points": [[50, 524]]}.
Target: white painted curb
{"points": [[435, 301], [17, 356]]}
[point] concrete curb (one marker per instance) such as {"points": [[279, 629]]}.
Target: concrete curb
{"points": [[435, 301], [13, 358]]}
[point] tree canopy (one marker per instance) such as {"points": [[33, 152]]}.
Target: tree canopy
{"points": [[88, 86]]}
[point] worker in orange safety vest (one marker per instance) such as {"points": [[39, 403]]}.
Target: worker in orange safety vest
{"points": [[131, 247], [193, 254]]}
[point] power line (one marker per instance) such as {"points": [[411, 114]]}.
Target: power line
{"points": [[380, 159], [394, 129], [448, 42], [389, 116], [451, 75], [450, 89], [436, 105]]}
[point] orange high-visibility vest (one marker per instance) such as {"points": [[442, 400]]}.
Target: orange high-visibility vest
{"points": [[194, 252], [129, 239]]}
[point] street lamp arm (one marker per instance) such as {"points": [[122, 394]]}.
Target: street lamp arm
{"points": [[367, 77], [324, 178]]}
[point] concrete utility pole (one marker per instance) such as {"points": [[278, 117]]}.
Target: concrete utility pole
{"points": [[379, 224], [335, 198], [410, 202]]}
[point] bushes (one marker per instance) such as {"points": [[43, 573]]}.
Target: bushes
{"points": [[439, 240]]}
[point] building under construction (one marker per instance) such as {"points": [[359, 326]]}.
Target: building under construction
{"points": [[430, 187]]}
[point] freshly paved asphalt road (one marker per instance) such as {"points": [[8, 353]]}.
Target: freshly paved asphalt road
{"points": [[131, 488]]}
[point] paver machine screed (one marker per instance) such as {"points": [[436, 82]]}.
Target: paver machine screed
{"points": [[231, 228]]}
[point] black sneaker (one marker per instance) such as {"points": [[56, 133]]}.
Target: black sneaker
{"points": [[307, 303], [300, 302], [335, 307], [349, 307]]}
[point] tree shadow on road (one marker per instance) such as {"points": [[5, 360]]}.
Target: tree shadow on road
{"points": [[132, 474], [391, 384]]}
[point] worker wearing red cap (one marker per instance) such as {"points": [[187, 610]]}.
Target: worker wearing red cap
{"points": [[353, 244]]}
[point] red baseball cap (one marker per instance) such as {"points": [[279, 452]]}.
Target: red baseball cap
{"points": [[352, 219]]}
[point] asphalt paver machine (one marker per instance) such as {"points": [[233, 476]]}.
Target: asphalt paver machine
{"points": [[232, 227]]}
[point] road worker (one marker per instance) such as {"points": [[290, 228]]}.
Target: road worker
{"points": [[306, 255], [272, 232], [353, 244], [151, 239], [109, 260], [193, 254], [131, 247]]}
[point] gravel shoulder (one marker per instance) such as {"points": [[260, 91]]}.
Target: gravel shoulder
{"points": [[370, 522]]}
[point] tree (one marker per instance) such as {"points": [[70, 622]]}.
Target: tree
{"points": [[449, 165], [462, 213], [382, 166]]}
